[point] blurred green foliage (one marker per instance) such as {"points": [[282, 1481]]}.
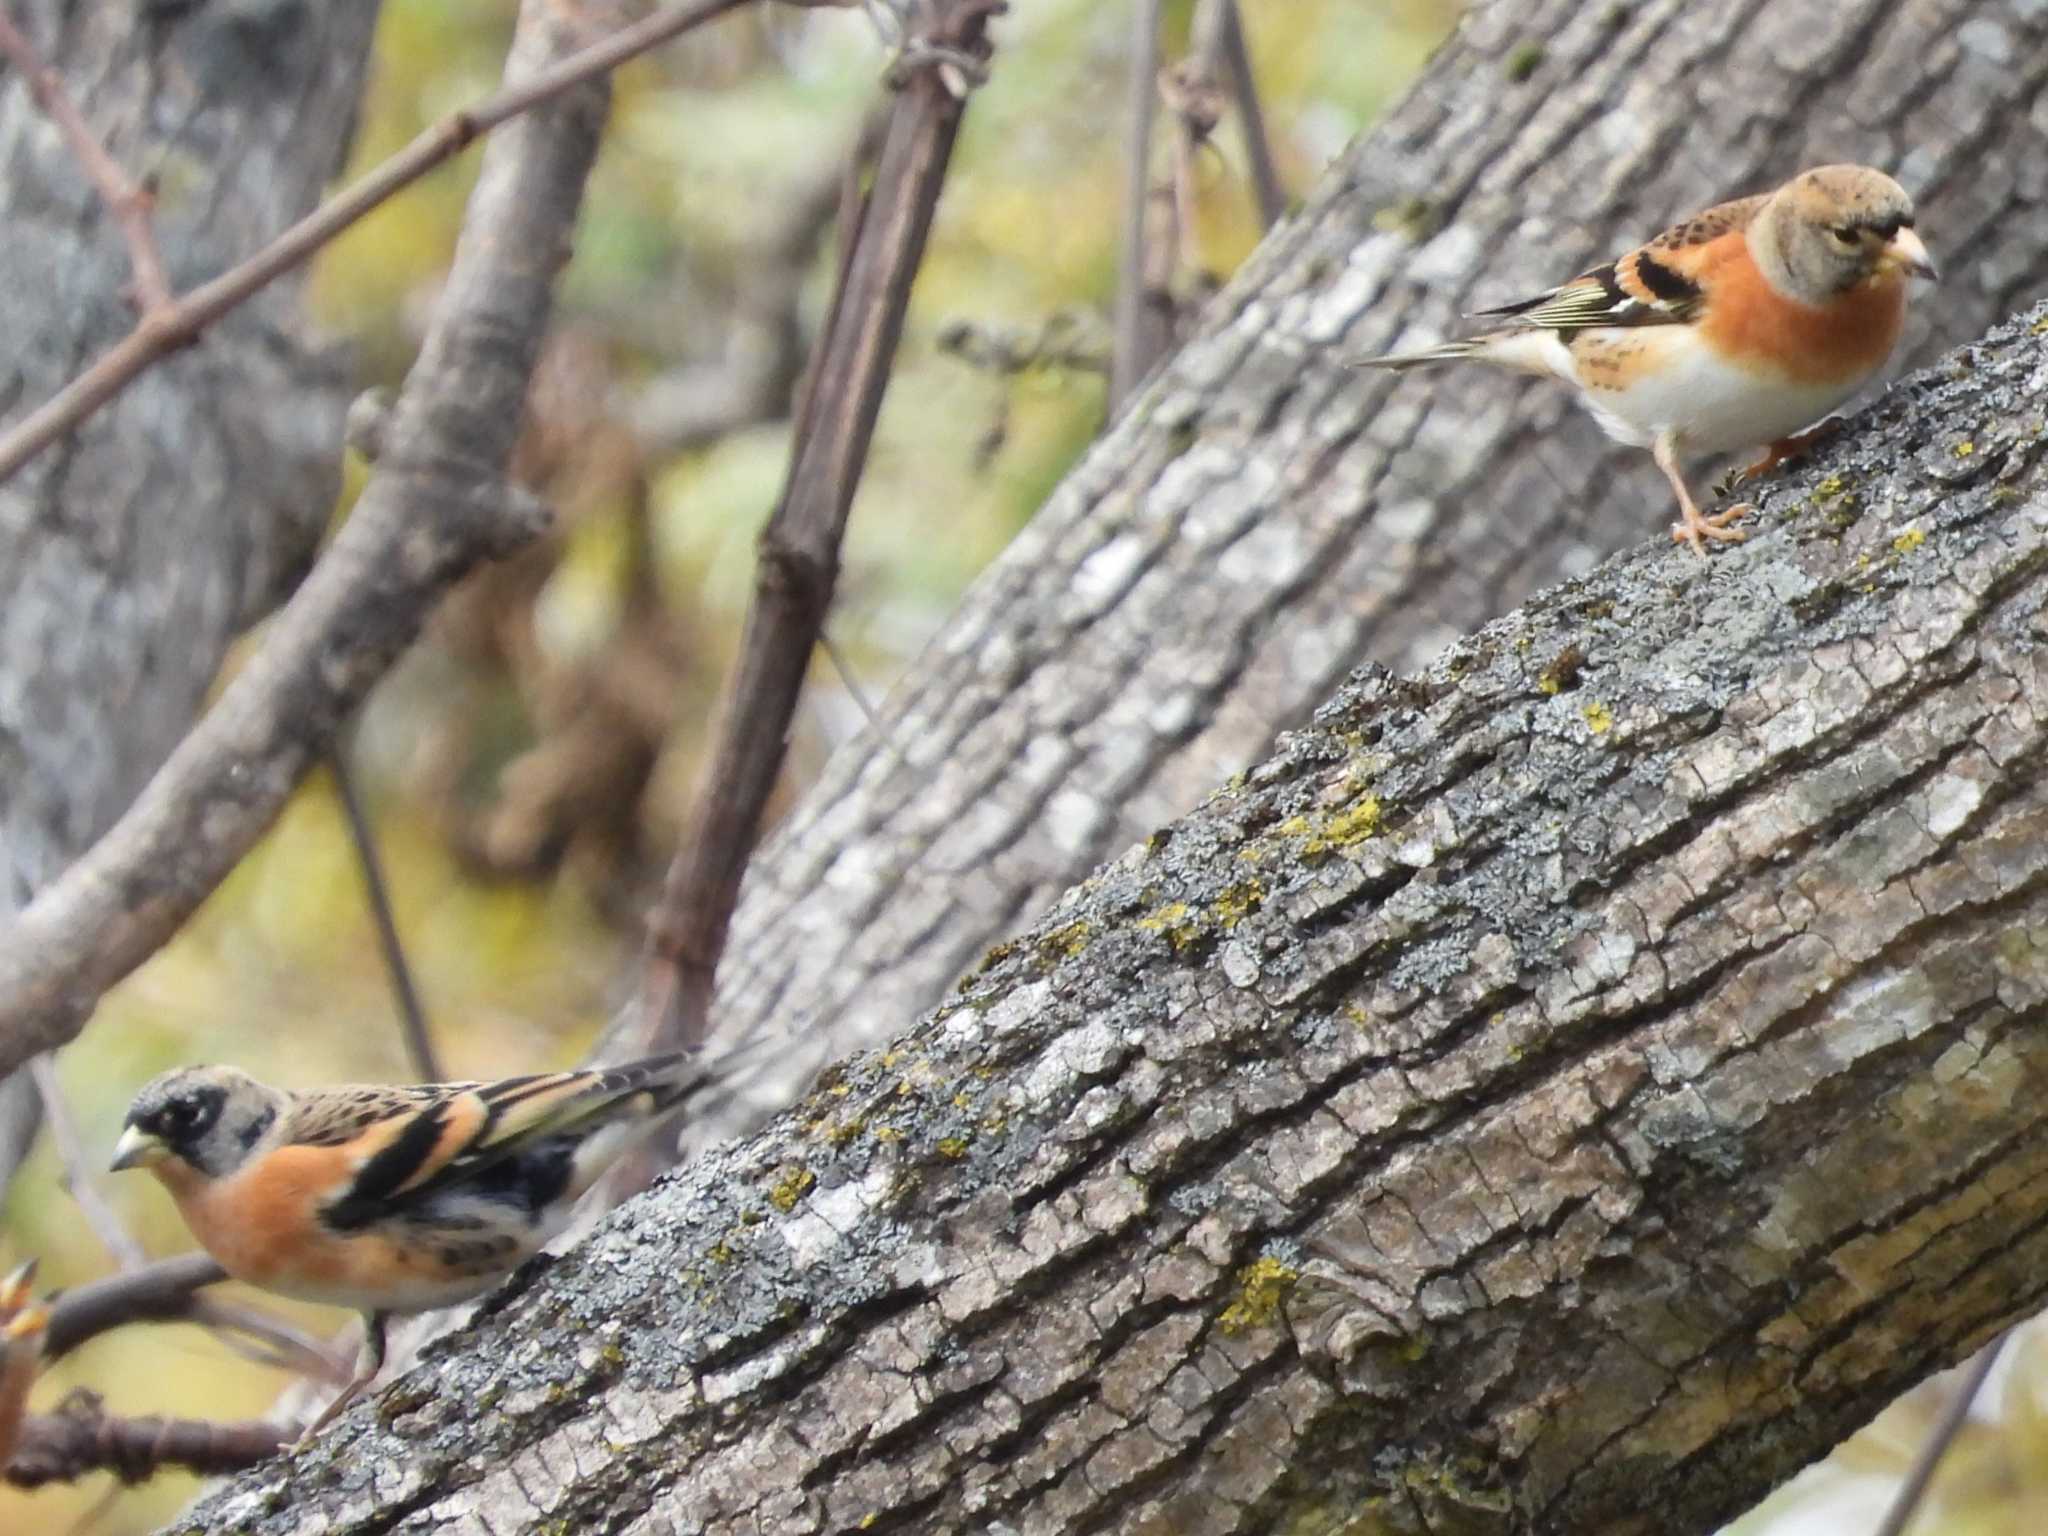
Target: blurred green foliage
{"points": [[279, 973]]}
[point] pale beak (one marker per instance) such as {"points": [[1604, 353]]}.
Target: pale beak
{"points": [[137, 1148], [1905, 253], [16, 1289]]}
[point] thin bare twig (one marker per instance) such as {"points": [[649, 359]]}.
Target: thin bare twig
{"points": [[130, 203], [846, 678], [77, 1179], [412, 1016], [437, 504], [81, 1438], [166, 327], [1140, 330], [1954, 1414], [1221, 26], [799, 548]]}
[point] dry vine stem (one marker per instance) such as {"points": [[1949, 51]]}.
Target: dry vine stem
{"points": [[799, 548]]}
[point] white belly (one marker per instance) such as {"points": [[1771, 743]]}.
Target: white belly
{"points": [[1678, 384]]}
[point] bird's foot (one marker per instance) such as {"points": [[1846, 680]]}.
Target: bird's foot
{"points": [[1697, 527], [1784, 448]]}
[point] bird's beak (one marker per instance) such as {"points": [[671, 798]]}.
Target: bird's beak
{"points": [[137, 1148], [1905, 253], [16, 1289]]}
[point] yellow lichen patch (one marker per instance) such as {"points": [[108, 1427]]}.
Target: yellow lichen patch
{"points": [[1064, 942], [2038, 328], [1342, 828], [1239, 902], [1262, 1286], [887, 1133], [954, 1147], [1176, 921], [1908, 541], [1965, 449], [1599, 718], [784, 1193]]}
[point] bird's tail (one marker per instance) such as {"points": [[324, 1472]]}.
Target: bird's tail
{"points": [[1443, 352]]}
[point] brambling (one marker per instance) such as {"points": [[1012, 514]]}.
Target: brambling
{"points": [[1734, 328], [393, 1199]]}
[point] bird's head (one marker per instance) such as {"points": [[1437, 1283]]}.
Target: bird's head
{"points": [[1836, 226], [207, 1118]]}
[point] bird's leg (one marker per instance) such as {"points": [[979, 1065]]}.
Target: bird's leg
{"points": [[1788, 448], [1695, 527], [371, 1363]]}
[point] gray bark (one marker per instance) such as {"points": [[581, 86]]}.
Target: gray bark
{"points": [[1264, 518], [131, 554], [1561, 1091]]}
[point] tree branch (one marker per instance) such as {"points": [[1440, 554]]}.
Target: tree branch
{"points": [[405, 993], [128, 203], [1223, 42], [166, 327], [82, 1438], [161, 1292], [799, 548], [1140, 331], [436, 505], [1534, 1099]]}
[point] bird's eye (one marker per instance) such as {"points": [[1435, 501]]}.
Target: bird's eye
{"points": [[1843, 234]]}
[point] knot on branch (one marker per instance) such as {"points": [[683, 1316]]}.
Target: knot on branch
{"points": [[81, 1437], [954, 47]]}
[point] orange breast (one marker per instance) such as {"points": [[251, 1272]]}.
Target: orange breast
{"points": [[1751, 324], [264, 1226]]}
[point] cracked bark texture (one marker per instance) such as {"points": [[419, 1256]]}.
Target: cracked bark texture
{"points": [[131, 554], [1265, 518], [1564, 1090]]}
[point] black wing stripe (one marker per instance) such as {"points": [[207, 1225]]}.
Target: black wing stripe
{"points": [[1668, 286], [369, 1197]]}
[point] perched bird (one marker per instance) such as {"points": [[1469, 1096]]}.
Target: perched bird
{"points": [[394, 1199], [1734, 328]]}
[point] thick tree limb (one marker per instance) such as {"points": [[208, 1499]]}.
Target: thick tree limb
{"points": [[436, 505], [1562, 1091], [1264, 518]]}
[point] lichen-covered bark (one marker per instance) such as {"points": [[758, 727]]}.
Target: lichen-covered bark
{"points": [[131, 554], [1562, 1091], [1264, 518]]}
